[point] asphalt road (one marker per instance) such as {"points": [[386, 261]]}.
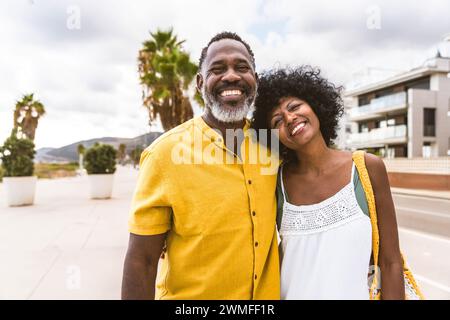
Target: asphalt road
{"points": [[424, 230]]}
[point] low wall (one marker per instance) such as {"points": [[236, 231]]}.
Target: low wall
{"points": [[419, 180]]}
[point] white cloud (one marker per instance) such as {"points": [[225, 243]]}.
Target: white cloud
{"points": [[88, 79]]}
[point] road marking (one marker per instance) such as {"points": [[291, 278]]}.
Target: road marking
{"points": [[432, 283], [425, 235], [430, 197], [430, 213]]}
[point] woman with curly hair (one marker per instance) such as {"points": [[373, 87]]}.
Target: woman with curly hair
{"points": [[324, 223]]}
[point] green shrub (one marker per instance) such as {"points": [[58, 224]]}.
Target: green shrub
{"points": [[17, 157], [100, 158], [2, 173]]}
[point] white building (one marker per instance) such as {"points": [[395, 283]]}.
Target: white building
{"points": [[406, 114]]}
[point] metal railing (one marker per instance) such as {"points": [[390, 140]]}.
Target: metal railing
{"points": [[379, 134], [380, 104], [439, 165]]}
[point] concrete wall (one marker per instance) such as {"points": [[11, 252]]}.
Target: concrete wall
{"points": [[418, 99], [442, 118]]}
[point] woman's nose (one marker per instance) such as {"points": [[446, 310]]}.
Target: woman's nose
{"points": [[288, 117]]}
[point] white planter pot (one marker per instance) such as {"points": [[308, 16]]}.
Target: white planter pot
{"points": [[19, 190], [101, 185]]}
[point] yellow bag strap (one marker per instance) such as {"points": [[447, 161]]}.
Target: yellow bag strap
{"points": [[358, 159]]}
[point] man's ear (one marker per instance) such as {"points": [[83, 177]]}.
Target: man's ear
{"points": [[199, 79]]}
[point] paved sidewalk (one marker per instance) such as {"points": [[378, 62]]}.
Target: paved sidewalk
{"points": [[66, 246]]}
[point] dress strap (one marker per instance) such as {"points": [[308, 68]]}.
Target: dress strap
{"points": [[352, 179], [282, 184]]}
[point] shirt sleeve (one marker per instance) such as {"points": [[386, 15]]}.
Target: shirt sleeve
{"points": [[151, 212]]}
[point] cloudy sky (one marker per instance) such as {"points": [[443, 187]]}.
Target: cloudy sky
{"points": [[79, 57]]}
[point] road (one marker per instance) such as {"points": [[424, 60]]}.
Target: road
{"points": [[67, 246], [424, 231]]}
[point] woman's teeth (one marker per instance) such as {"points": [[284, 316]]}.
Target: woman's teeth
{"points": [[230, 93], [298, 127]]}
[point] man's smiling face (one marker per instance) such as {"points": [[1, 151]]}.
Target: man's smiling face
{"points": [[227, 80]]}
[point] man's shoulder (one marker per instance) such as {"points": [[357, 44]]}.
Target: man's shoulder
{"points": [[165, 142]]}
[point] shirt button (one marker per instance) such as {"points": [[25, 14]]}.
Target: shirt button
{"points": [[256, 277], [256, 243], [254, 213], [249, 181]]}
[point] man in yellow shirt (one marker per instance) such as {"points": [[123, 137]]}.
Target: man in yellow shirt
{"points": [[204, 206]]}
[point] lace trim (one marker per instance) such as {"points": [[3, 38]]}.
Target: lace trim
{"points": [[335, 211]]}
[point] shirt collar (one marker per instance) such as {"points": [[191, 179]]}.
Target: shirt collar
{"points": [[214, 133]]}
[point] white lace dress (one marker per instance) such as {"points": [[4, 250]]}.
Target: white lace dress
{"points": [[325, 248]]}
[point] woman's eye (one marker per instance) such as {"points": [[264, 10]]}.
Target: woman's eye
{"points": [[294, 107]]}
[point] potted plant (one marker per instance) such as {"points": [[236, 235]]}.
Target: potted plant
{"points": [[17, 156], [100, 164]]}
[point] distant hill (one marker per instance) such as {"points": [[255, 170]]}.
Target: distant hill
{"points": [[70, 153]]}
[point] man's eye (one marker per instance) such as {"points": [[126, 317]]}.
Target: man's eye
{"points": [[243, 68], [216, 70], [276, 123]]}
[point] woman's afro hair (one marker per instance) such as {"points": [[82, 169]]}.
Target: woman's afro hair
{"points": [[305, 83]]}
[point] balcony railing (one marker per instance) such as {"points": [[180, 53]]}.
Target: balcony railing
{"points": [[380, 104], [379, 135]]}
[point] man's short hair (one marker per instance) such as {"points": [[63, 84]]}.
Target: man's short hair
{"points": [[226, 35]]}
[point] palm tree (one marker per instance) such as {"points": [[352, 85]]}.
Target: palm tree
{"points": [[135, 155], [27, 114], [165, 72], [81, 150], [121, 152]]}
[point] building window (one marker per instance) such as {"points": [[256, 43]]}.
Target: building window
{"points": [[429, 122], [363, 127], [448, 149], [348, 129], [426, 150], [363, 100], [423, 83], [390, 154]]}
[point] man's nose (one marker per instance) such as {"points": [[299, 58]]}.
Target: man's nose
{"points": [[231, 76]]}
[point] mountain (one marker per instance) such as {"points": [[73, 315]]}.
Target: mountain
{"points": [[70, 152]]}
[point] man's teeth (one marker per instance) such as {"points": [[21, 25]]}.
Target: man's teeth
{"points": [[230, 93], [298, 127]]}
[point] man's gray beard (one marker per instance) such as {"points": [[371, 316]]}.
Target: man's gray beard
{"points": [[225, 115]]}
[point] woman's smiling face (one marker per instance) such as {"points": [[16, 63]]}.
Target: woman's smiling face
{"points": [[296, 121]]}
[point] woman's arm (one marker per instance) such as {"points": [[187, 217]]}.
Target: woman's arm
{"points": [[390, 261]]}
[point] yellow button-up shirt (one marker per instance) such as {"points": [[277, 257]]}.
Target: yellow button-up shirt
{"points": [[219, 213]]}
